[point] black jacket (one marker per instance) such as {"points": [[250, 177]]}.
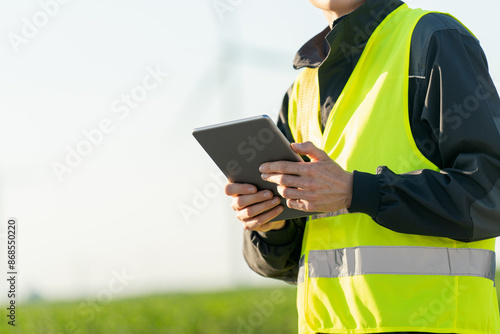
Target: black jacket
{"points": [[454, 113]]}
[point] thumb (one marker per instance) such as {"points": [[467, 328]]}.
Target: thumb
{"points": [[309, 149]]}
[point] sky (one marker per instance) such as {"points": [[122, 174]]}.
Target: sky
{"points": [[98, 100]]}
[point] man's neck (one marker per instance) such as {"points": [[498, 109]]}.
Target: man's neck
{"points": [[332, 15]]}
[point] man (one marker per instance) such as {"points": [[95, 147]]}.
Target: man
{"points": [[401, 122]]}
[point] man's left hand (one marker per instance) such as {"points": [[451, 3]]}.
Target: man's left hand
{"points": [[317, 186]]}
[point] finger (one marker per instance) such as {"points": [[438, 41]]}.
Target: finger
{"points": [[235, 189], [281, 167], [254, 210], [300, 204], [293, 193], [286, 180], [309, 149], [242, 201], [255, 223]]}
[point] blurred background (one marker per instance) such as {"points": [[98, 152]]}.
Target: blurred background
{"points": [[98, 163]]}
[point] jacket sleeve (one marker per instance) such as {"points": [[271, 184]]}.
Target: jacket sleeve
{"points": [[276, 254], [458, 113], [283, 117]]}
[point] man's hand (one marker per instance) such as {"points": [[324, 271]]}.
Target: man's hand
{"points": [[320, 185], [255, 209]]}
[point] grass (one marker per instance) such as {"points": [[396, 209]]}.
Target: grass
{"points": [[232, 312], [244, 311]]}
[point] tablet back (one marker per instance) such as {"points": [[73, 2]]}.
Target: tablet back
{"points": [[240, 147]]}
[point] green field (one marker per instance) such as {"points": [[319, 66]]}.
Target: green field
{"points": [[232, 312], [242, 311]]}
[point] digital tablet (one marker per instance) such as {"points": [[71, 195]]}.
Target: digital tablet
{"points": [[240, 147]]}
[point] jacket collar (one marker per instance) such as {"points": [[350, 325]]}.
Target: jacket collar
{"points": [[348, 35]]}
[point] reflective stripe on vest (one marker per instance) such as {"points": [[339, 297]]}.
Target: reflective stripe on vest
{"points": [[400, 260]]}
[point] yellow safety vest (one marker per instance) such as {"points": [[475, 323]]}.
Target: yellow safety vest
{"points": [[356, 276]]}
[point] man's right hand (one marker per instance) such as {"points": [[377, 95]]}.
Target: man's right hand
{"points": [[255, 208]]}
